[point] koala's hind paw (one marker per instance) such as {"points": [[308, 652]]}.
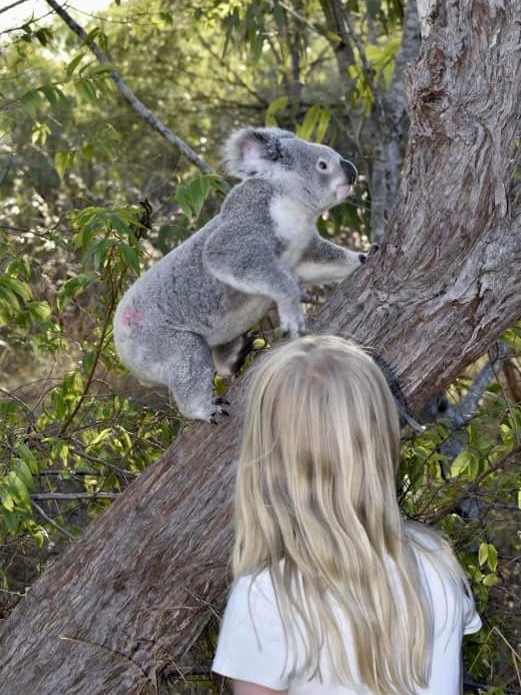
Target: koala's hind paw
{"points": [[219, 402]]}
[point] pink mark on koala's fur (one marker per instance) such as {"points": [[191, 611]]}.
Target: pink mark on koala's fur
{"points": [[131, 315]]}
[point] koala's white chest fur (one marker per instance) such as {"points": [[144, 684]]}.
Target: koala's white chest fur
{"points": [[294, 226]]}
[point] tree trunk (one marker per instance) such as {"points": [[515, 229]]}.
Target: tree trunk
{"points": [[390, 124], [128, 598]]}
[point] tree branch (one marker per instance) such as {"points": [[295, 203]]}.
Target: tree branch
{"points": [[460, 413]]}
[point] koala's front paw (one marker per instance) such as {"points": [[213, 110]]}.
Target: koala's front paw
{"points": [[294, 326], [372, 250]]}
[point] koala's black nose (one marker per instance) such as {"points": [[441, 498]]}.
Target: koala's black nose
{"points": [[349, 170]]}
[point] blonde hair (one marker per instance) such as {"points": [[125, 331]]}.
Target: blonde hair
{"points": [[316, 506]]}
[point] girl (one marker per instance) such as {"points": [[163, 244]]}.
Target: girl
{"points": [[333, 592]]}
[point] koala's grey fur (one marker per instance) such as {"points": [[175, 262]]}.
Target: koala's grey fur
{"points": [[184, 318]]}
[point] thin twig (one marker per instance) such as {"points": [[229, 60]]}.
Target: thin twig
{"points": [[11, 6], [73, 496], [51, 521], [98, 460]]}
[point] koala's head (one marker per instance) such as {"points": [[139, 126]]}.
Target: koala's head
{"points": [[312, 173]]}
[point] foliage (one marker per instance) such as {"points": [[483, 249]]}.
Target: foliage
{"points": [[75, 164], [474, 497], [70, 436]]}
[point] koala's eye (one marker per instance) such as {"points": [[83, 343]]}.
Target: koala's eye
{"points": [[322, 165]]}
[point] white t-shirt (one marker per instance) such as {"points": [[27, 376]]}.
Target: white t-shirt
{"points": [[252, 645]]}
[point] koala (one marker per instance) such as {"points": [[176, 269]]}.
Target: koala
{"points": [[185, 318]]}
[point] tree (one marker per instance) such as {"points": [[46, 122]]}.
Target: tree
{"points": [[129, 598]]}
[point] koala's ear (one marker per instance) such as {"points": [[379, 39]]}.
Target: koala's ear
{"points": [[249, 150]]}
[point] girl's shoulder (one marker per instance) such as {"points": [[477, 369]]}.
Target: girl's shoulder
{"points": [[436, 559], [433, 551], [258, 584], [426, 538], [445, 578]]}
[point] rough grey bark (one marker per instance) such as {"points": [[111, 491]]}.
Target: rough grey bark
{"points": [[391, 125], [133, 593]]}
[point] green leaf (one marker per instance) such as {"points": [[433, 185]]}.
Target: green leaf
{"points": [[131, 256], [100, 69], [275, 107], [316, 119], [86, 90], [71, 67], [43, 35], [31, 102], [373, 7], [28, 456], [87, 361], [17, 489], [7, 500], [40, 311], [491, 580], [191, 196], [58, 404], [53, 94], [461, 463], [63, 161], [488, 554], [23, 472], [492, 557], [483, 553], [99, 255], [39, 133], [166, 17], [12, 521], [102, 436], [40, 537], [20, 288], [70, 289]]}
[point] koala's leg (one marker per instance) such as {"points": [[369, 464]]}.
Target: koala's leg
{"points": [[229, 358], [189, 373], [324, 261]]}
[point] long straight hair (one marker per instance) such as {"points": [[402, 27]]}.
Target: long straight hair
{"points": [[316, 506]]}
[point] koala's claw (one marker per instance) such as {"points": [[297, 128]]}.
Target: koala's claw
{"points": [[214, 416], [221, 401], [372, 250]]}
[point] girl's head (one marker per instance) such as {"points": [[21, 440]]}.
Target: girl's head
{"points": [[316, 506], [319, 456]]}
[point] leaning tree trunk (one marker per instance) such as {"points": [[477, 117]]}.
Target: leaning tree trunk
{"points": [[133, 593]]}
